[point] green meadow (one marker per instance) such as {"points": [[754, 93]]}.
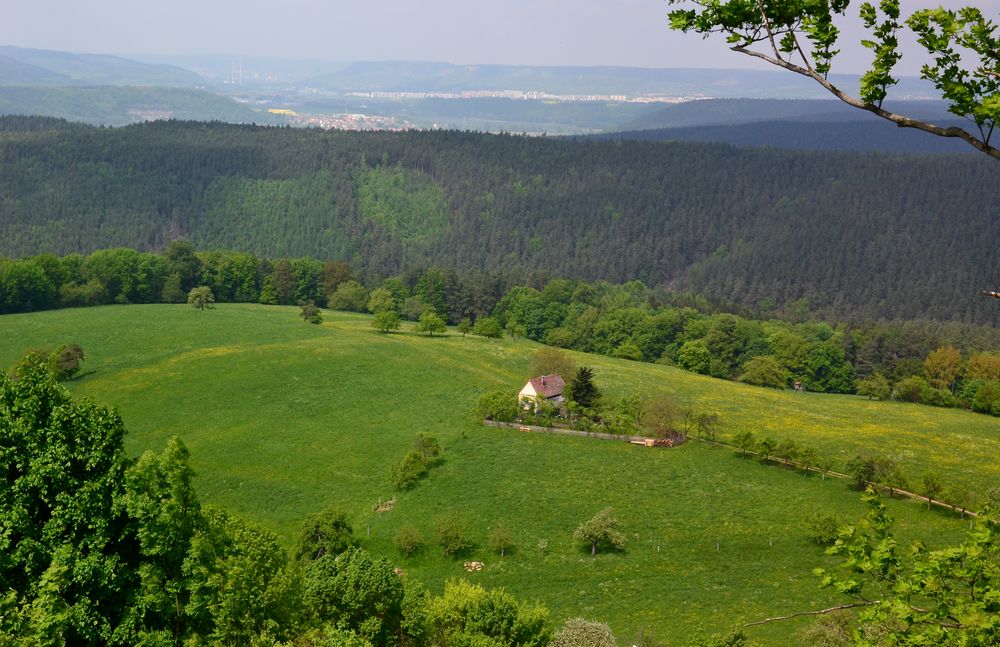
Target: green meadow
{"points": [[284, 418]]}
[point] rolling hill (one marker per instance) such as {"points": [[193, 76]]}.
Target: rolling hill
{"points": [[22, 66], [285, 418], [858, 136], [121, 105]]}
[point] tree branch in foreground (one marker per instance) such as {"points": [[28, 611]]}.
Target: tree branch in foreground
{"points": [[820, 612], [900, 120]]}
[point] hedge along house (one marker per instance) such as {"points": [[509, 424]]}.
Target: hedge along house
{"points": [[545, 388]]}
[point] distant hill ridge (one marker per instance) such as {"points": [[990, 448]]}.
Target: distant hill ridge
{"points": [[121, 105], [33, 67], [710, 112]]}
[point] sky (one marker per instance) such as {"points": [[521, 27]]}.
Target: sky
{"points": [[522, 32]]}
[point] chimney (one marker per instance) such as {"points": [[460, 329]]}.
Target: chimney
{"points": [[543, 380]]}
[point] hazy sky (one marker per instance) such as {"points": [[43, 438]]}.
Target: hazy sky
{"points": [[539, 32]]}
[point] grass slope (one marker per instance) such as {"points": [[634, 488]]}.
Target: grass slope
{"points": [[284, 418]]}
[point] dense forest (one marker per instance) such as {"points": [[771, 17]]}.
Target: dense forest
{"points": [[943, 364], [851, 236]]}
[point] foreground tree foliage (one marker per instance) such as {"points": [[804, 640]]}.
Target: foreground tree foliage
{"points": [[580, 632], [100, 550], [324, 533], [802, 36], [468, 614], [921, 597], [67, 560]]}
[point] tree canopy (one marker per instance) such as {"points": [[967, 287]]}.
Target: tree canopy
{"points": [[803, 36]]}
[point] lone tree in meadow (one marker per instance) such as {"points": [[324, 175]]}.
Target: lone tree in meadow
{"points": [[201, 297], [311, 313], [386, 321], [501, 540], [452, 534], [65, 361], [802, 36], [431, 322], [602, 530]]}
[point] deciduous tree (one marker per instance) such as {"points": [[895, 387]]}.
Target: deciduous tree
{"points": [[201, 297], [601, 530], [327, 532], [68, 545], [500, 539], [552, 361], [487, 327], [943, 366], [579, 632], [802, 37], [386, 321], [924, 597], [430, 322]]}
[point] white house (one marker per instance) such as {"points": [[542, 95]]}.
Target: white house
{"points": [[545, 388]]}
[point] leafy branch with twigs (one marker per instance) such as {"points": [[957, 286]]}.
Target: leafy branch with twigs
{"points": [[802, 36]]}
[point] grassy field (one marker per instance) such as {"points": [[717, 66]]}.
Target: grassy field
{"points": [[284, 418]]}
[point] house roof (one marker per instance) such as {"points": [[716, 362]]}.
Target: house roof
{"points": [[548, 386]]}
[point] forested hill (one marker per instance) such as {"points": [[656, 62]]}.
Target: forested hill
{"points": [[862, 136], [855, 235]]}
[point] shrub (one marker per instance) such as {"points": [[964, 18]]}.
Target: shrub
{"points": [[311, 313], [628, 350], [909, 389], [936, 397], [874, 387], [452, 534], [501, 540], [487, 327], [408, 540], [765, 370], [987, 398], [501, 406], [65, 361], [412, 468], [822, 529], [428, 446], [578, 632]]}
